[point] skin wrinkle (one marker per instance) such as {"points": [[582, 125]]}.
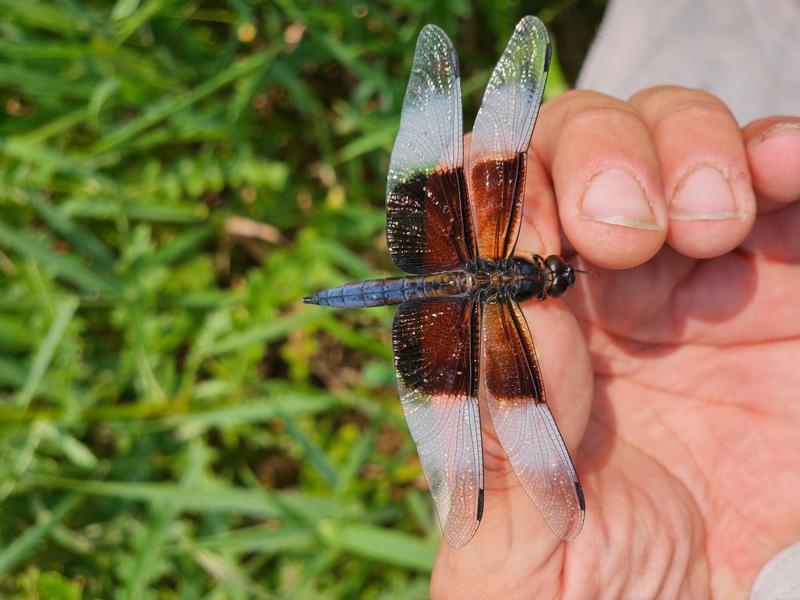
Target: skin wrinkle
{"points": [[631, 445], [556, 554], [698, 471], [730, 509], [554, 560], [666, 568], [644, 556], [695, 107], [675, 562], [636, 449], [566, 582], [688, 553], [699, 400], [659, 418], [662, 554], [638, 345]]}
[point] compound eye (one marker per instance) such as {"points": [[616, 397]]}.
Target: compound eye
{"points": [[568, 276], [558, 288], [554, 263]]}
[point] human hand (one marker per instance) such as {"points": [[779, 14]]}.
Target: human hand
{"points": [[673, 376]]}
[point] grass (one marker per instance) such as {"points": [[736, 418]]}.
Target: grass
{"points": [[174, 177]]}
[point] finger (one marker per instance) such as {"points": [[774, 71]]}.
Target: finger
{"points": [[704, 168], [605, 174], [773, 153]]}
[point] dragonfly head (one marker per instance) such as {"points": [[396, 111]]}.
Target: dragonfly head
{"points": [[559, 276]]}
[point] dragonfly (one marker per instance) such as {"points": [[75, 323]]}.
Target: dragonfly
{"points": [[459, 336]]}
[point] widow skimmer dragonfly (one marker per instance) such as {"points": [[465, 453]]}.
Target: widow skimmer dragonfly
{"points": [[459, 335]]}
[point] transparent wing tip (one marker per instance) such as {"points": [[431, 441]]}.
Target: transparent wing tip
{"points": [[530, 21], [533, 26], [576, 524], [431, 28], [431, 31], [460, 538]]}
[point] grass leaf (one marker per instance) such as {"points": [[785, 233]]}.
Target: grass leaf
{"points": [[65, 310], [385, 545], [255, 503], [19, 549]]}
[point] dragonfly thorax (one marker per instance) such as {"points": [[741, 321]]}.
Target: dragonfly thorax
{"points": [[521, 278]]}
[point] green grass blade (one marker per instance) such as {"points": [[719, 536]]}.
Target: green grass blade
{"points": [[268, 332], [292, 403], [171, 105], [44, 354], [65, 266], [210, 498], [387, 546], [109, 208], [313, 452], [265, 540], [79, 238], [162, 515], [23, 546], [358, 457]]}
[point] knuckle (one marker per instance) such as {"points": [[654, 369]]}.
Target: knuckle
{"points": [[613, 120], [697, 110], [574, 101], [669, 104], [583, 97]]}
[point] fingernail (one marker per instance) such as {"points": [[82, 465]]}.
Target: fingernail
{"points": [[703, 195], [780, 129], [614, 196]]}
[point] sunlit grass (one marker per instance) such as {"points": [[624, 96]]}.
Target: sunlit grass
{"points": [[174, 177]]}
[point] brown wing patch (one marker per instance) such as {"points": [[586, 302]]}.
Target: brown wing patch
{"points": [[511, 370], [428, 225], [497, 194]]}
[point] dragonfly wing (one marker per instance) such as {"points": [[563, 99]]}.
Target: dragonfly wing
{"points": [[512, 385], [501, 135], [428, 223], [436, 352]]}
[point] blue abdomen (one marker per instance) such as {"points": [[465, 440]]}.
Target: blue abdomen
{"points": [[391, 290]]}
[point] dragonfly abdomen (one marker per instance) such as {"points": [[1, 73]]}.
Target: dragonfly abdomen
{"points": [[392, 290]]}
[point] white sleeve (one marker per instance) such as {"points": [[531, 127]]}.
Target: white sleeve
{"points": [[746, 52]]}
